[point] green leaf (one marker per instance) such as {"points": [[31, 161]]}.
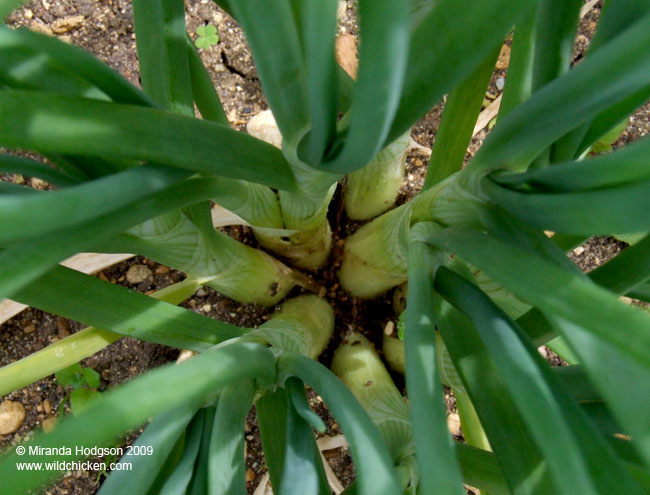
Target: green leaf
{"points": [[373, 463], [317, 25], [116, 411], [627, 165], [177, 481], [273, 38], [272, 412], [161, 435], [555, 30], [80, 399], [457, 124], [523, 466], [104, 305], [577, 455], [69, 377], [25, 261], [57, 124], [384, 26], [26, 216], [617, 209], [77, 346], [519, 83], [226, 464], [206, 30], [92, 378], [162, 53], [613, 73], [199, 481], [301, 407], [18, 165], [303, 470], [588, 316], [441, 56], [203, 91], [434, 448], [556, 25], [75, 60]]}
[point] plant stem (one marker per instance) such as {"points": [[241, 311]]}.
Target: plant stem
{"points": [[78, 346], [373, 189]]}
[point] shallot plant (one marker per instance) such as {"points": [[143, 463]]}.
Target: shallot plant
{"points": [[135, 171]]}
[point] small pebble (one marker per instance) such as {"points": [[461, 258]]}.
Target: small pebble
{"points": [[161, 270], [61, 26], [453, 423], [207, 308], [12, 415], [63, 327], [500, 83], [40, 27], [29, 328], [47, 406], [250, 475], [138, 273]]}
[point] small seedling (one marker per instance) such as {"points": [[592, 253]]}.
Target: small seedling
{"points": [[84, 383], [207, 36]]}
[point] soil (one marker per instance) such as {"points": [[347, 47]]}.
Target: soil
{"points": [[105, 28]]}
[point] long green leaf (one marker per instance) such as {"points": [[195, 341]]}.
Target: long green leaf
{"points": [[521, 462], [203, 91], [162, 53], [199, 481], [519, 83], [176, 482], [161, 435], [273, 38], [481, 469], [272, 411], [556, 26], [226, 467], [303, 467], [53, 123], [25, 261], [77, 346], [614, 72], [589, 317], [31, 168], [111, 307], [617, 209], [441, 56], [627, 270], [35, 214], [385, 27], [577, 455], [318, 24], [434, 448], [116, 411], [457, 125], [627, 165], [76, 60], [615, 17], [373, 463], [555, 29]]}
